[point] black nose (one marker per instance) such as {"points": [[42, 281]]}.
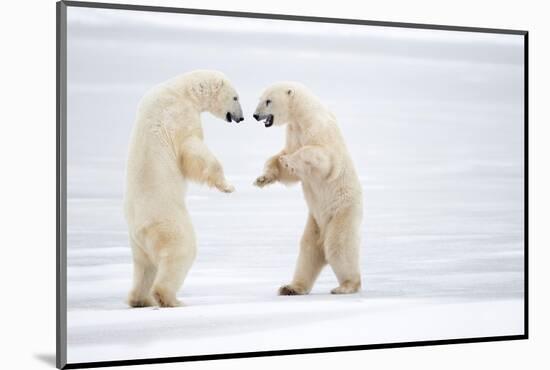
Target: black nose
{"points": [[241, 119], [256, 117]]}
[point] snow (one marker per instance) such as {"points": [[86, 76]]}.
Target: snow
{"points": [[430, 271], [285, 323], [434, 124]]}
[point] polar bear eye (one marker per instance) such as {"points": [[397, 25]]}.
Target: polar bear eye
{"points": [[235, 98], [267, 102]]}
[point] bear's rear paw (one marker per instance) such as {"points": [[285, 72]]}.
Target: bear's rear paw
{"points": [[166, 300], [264, 180], [347, 287], [141, 302], [291, 290]]}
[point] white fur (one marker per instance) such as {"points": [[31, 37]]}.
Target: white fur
{"points": [[167, 150], [315, 154]]}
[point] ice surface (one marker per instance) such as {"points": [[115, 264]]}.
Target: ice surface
{"points": [[431, 270], [433, 121]]}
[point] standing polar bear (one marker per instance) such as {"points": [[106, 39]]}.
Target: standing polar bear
{"points": [[315, 155], [167, 150]]}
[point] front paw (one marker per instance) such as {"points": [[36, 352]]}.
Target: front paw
{"points": [[264, 180], [286, 163], [225, 187]]}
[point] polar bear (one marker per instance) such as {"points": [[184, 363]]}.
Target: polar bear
{"points": [[315, 154], [166, 151]]}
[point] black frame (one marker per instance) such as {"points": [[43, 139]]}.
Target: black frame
{"points": [[61, 171]]}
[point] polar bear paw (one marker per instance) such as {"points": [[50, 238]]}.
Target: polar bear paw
{"points": [[225, 187], [285, 161], [347, 287], [140, 302], [291, 290], [165, 299], [264, 180]]}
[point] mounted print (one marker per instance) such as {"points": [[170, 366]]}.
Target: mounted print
{"points": [[240, 184]]}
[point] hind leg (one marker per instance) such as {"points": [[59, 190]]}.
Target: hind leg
{"points": [[172, 271], [144, 274], [175, 251], [310, 262], [342, 247]]}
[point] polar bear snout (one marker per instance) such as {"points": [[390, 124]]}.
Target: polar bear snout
{"points": [[232, 117], [233, 109], [267, 118]]}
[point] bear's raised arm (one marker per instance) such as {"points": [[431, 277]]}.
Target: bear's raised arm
{"points": [[198, 164], [275, 171], [309, 160]]}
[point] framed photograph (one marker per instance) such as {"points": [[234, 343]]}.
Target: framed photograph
{"points": [[239, 184]]}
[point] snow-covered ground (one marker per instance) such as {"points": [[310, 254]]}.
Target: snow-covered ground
{"points": [[433, 121], [434, 267]]}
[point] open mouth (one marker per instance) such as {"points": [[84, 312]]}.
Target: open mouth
{"points": [[228, 117], [268, 122]]}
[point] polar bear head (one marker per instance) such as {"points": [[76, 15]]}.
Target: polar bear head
{"points": [[277, 103], [215, 94]]}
